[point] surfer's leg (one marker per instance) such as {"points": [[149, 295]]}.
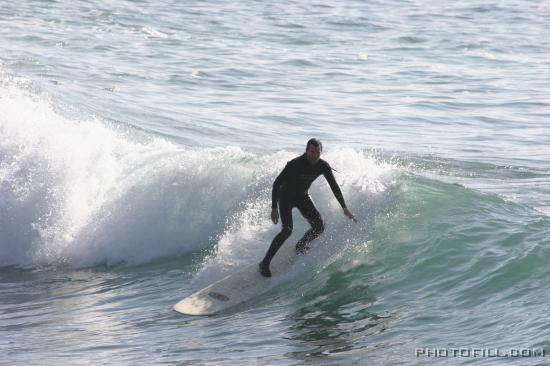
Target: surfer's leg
{"points": [[285, 211], [309, 211]]}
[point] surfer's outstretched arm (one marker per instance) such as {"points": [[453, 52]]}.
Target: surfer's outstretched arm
{"points": [[338, 193]]}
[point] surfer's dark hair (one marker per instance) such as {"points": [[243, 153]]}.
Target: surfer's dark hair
{"points": [[315, 142]]}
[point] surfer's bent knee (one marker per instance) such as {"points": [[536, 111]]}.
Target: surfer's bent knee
{"points": [[319, 227], [286, 231]]}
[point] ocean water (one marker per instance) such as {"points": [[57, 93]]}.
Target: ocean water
{"points": [[139, 141]]}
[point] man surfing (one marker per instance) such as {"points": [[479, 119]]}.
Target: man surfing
{"points": [[290, 190]]}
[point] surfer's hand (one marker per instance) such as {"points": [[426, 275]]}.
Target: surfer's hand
{"points": [[349, 215], [274, 215]]}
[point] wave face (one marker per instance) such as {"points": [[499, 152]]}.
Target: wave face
{"points": [[80, 191]]}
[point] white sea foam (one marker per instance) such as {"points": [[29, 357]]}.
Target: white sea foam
{"points": [[84, 191]]}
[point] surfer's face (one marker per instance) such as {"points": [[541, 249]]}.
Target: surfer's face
{"points": [[313, 154]]}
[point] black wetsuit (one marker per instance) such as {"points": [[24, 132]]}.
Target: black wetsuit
{"points": [[290, 189]]}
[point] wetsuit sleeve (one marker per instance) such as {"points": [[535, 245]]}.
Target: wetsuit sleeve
{"points": [[334, 186], [281, 178]]}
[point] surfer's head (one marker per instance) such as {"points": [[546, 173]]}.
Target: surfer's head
{"points": [[314, 148]]}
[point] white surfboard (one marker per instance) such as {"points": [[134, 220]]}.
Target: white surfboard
{"points": [[237, 287]]}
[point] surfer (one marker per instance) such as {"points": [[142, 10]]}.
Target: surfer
{"points": [[290, 190]]}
